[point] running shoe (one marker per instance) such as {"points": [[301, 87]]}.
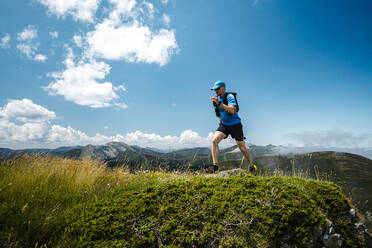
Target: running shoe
{"points": [[212, 169], [253, 169]]}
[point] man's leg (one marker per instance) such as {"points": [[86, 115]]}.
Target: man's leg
{"points": [[243, 149], [218, 136]]}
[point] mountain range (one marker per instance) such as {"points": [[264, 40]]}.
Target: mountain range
{"points": [[135, 157]]}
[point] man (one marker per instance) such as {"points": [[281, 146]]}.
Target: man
{"points": [[230, 124]]}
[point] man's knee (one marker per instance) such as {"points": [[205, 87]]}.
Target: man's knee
{"points": [[241, 145], [216, 140]]}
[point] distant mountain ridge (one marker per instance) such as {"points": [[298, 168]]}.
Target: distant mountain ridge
{"points": [[108, 151], [135, 157], [6, 152], [113, 149], [365, 152]]}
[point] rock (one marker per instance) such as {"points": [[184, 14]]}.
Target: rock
{"points": [[328, 224], [325, 239], [359, 228], [335, 240], [330, 239], [352, 213], [228, 173], [328, 227]]}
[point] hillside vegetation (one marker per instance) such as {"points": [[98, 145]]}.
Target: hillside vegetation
{"points": [[55, 202], [351, 172]]}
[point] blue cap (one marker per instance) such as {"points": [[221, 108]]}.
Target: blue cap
{"points": [[218, 84]]}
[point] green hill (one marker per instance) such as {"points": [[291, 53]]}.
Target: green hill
{"points": [[55, 202], [351, 172]]}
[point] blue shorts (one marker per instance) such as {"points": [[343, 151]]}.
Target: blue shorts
{"points": [[236, 131]]}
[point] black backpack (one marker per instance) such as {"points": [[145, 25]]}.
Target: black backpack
{"points": [[224, 101]]}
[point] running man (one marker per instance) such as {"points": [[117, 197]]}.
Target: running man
{"points": [[229, 124]]}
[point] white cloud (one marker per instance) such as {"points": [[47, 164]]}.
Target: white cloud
{"points": [[54, 34], [121, 36], [40, 58], [187, 138], [34, 120], [37, 130], [27, 132], [150, 10], [121, 105], [27, 44], [120, 87], [166, 19], [331, 138], [122, 9], [82, 10], [26, 111], [58, 135], [4, 43], [78, 40], [78, 83], [134, 43], [27, 49], [23, 122], [29, 33], [164, 2]]}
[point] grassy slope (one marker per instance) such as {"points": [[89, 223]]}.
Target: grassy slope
{"points": [[59, 203], [351, 172]]}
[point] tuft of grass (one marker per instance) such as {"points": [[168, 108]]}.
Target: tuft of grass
{"points": [[38, 193]]}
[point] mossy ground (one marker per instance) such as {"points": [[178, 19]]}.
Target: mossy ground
{"points": [[53, 202]]}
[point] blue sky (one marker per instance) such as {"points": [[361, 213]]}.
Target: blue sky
{"points": [[79, 72]]}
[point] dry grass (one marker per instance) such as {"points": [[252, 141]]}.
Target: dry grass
{"points": [[38, 193]]}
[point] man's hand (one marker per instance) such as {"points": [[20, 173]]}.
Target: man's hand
{"points": [[215, 99]]}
